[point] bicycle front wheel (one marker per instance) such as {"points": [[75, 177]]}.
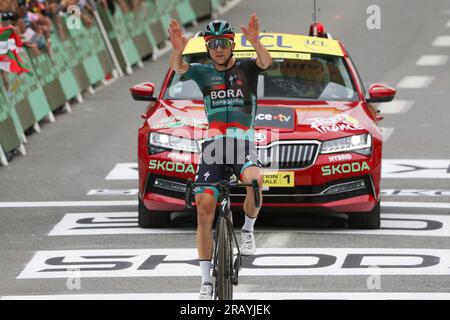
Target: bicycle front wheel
{"points": [[224, 281]]}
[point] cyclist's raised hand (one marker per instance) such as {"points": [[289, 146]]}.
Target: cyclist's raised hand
{"points": [[251, 32], [178, 40]]}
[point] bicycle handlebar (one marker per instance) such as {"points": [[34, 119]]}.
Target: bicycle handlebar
{"points": [[221, 185]]}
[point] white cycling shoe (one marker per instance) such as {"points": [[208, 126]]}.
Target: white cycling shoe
{"points": [[206, 291], [248, 246]]}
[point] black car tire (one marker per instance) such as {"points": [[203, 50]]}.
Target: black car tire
{"points": [[365, 220], [152, 219]]}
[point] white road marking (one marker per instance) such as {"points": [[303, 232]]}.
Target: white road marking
{"points": [[170, 262], [442, 41], [281, 239], [432, 60], [49, 204], [123, 171], [97, 223], [448, 24], [110, 192], [247, 296], [102, 223], [415, 168], [384, 192], [434, 205], [415, 193], [396, 106], [415, 82], [405, 225]]}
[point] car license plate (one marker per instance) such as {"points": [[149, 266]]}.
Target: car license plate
{"points": [[279, 179]]}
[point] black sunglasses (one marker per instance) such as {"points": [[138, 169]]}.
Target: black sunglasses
{"points": [[222, 42]]}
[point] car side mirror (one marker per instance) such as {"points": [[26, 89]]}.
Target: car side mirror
{"points": [[143, 92], [381, 93]]}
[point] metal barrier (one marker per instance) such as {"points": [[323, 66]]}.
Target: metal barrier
{"points": [[10, 136]]}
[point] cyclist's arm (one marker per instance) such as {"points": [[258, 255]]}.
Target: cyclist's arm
{"points": [[263, 60], [177, 63], [179, 42]]}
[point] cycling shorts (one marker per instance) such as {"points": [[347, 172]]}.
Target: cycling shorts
{"points": [[237, 154]]}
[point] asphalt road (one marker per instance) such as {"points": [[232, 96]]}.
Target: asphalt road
{"points": [[45, 195]]}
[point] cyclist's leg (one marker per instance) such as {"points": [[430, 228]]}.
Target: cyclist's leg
{"points": [[205, 215], [206, 200], [206, 205], [247, 171], [250, 173]]}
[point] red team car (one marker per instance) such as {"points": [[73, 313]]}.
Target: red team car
{"points": [[317, 134]]}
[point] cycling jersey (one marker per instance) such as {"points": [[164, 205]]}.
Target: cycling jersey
{"points": [[229, 96], [230, 106]]}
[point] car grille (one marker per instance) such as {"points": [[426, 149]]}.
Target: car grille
{"points": [[288, 156]]}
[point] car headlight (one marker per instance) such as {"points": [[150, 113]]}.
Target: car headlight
{"points": [[361, 143], [159, 142]]}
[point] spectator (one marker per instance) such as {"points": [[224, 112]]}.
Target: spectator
{"points": [[8, 12], [34, 27], [8, 6], [54, 11]]}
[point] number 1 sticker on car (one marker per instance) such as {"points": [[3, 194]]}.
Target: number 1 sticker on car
{"points": [[278, 179]]}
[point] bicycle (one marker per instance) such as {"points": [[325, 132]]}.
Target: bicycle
{"points": [[226, 267]]}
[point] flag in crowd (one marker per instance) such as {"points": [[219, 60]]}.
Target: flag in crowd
{"points": [[10, 47]]}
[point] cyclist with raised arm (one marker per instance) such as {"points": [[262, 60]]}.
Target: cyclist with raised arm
{"points": [[229, 90]]}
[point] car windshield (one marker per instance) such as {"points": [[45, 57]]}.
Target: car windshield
{"points": [[322, 77]]}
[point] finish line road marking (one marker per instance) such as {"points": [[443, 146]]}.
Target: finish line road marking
{"points": [[167, 262], [415, 193], [391, 168], [420, 169], [50, 204], [247, 296], [430, 205], [102, 223]]}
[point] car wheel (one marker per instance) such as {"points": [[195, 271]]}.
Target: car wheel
{"points": [[152, 219], [365, 220]]}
